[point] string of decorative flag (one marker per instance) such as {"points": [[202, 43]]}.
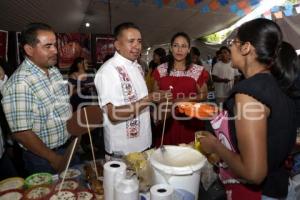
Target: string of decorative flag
{"points": [[238, 7], [289, 8]]}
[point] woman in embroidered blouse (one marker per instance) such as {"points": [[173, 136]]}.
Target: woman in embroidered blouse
{"points": [[189, 84], [262, 134]]}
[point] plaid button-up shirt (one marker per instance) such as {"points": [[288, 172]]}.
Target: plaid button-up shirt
{"points": [[34, 101]]}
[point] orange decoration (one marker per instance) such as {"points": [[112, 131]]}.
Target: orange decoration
{"points": [[197, 110], [205, 110], [190, 2], [214, 5], [183, 106], [242, 4], [247, 10]]}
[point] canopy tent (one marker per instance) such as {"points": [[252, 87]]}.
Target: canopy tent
{"points": [[158, 19]]}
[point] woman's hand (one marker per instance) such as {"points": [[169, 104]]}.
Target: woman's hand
{"points": [[208, 143]]}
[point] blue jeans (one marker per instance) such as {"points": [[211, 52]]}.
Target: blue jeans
{"points": [[35, 164]]}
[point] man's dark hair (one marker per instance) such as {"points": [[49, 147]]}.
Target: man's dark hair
{"points": [[224, 48], [124, 26], [195, 51], [29, 33]]}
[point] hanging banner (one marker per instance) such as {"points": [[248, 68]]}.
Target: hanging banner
{"points": [[3, 44], [104, 48], [71, 46]]}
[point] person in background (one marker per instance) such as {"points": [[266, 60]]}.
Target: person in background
{"points": [[123, 96], [3, 77], [195, 56], [36, 102], [188, 81], [224, 75], [159, 57], [82, 88], [143, 64], [7, 168], [81, 83], [216, 59], [6, 67], [261, 117]]}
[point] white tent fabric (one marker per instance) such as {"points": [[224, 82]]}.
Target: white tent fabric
{"points": [[157, 24]]}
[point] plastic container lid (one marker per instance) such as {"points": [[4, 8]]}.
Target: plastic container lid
{"points": [[68, 185], [85, 195], [11, 183], [71, 173], [11, 194], [38, 192], [64, 194], [38, 179], [177, 160]]}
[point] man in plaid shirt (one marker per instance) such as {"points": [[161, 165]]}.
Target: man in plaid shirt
{"points": [[36, 102]]}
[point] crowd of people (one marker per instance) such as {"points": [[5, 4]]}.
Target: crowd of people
{"points": [[256, 81]]}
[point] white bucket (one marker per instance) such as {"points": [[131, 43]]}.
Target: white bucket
{"points": [[179, 167]]}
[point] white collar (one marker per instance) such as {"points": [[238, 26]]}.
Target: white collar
{"points": [[124, 60]]}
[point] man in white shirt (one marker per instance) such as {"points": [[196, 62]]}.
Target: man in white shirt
{"points": [[224, 75], [123, 95]]}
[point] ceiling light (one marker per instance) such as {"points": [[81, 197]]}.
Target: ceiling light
{"points": [[87, 24]]}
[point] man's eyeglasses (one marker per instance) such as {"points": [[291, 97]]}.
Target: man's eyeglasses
{"points": [[177, 46], [229, 42]]}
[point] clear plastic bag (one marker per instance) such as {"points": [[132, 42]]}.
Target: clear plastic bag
{"points": [[208, 175], [140, 164]]}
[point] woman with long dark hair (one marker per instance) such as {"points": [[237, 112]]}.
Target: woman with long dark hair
{"points": [[159, 57], [81, 83], [262, 133], [188, 83]]}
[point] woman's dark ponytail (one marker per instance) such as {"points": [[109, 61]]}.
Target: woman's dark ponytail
{"points": [[279, 56], [286, 68]]}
